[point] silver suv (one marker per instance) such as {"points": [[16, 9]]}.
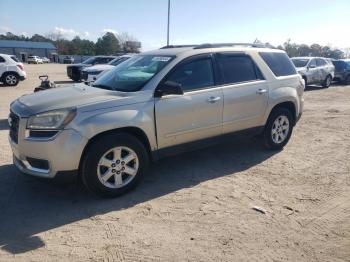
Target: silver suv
{"points": [[315, 70], [154, 104]]}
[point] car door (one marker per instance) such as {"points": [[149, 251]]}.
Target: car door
{"points": [[323, 70], [245, 91], [196, 114], [312, 73], [2, 65]]}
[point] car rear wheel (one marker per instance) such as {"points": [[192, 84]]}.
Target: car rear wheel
{"points": [[278, 129], [327, 82], [11, 79], [114, 164], [347, 80]]}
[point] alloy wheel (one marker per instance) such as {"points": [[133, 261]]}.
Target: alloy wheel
{"points": [[280, 129], [117, 167]]}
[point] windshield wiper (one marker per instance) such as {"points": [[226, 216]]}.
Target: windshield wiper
{"points": [[103, 87]]}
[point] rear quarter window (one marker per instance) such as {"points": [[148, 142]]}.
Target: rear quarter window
{"points": [[14, 58], [279, 63]]}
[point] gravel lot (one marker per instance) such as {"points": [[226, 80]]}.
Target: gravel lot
{"points": [[196, 206]]}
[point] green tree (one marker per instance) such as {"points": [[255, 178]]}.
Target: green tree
{"points": [[107, 45]]}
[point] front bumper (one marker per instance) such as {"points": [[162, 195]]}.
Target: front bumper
{"points": [[61, 152]]}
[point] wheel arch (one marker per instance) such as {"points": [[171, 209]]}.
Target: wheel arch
{"points": [[131, 130], [289, 105]]}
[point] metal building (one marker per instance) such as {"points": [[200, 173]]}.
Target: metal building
{"points": [[23, 49]]}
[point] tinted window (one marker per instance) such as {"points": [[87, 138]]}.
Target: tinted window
{"points": [[14, 58], [340, 65], [193, 75], [279, 63], [320, 62], [237, 68], [2, 60], [312, 63], [300, 62]]}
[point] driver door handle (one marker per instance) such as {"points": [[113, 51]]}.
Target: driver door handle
{"points": [[213, 99], [261, 91]]}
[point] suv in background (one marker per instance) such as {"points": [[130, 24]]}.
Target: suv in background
{"points": [[155, 104], [91, 73], [32, 59], [315, 70], [68, 60], [11, 70], [74, 70], [342, 71]]}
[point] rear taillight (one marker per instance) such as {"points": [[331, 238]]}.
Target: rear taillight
{"points": [[20, 67]]}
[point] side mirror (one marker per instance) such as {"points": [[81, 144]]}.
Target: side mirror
{"points": [[311, 66], [169, 88]]}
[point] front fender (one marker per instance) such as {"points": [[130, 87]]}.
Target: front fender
{"points": [[139, 115]]}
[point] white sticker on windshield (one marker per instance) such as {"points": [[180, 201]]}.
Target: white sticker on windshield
{"points": [[161, 58]]}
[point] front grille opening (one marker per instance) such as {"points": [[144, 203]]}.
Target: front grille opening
{"points": [[14, 127], [42, 134], [38, 163]]}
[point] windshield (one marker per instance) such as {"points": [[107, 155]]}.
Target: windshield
{"points": [[89, 61], [133, 74], [118, 60], [300, 62]]}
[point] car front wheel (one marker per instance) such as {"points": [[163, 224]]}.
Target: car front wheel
{"points": [[278, 129], [114, 164]]}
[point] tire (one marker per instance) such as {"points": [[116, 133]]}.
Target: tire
{"points": [[272, 133], [10, 79], [327, 82], [347, 80], [94, 170]]}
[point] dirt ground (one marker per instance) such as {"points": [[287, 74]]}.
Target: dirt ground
{"points": [[196, 206]]}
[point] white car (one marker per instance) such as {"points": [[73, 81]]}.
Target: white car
{"points": [[90, 74], [11, 70], [32, 59], [45, 60]]}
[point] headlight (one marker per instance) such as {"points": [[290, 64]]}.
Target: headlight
{"points": [[56, 119], [94, 72]]}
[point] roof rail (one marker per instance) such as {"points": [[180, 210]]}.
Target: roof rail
{"points": [[230, 44], [177, 46]]}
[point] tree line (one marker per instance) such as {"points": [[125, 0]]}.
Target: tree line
{"points": [[294, 50], [108, 44]]}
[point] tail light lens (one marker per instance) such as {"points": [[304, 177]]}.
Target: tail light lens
{"points": [[20, 67]]}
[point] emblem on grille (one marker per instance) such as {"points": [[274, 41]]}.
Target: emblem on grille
{"points": [[9, 119]]}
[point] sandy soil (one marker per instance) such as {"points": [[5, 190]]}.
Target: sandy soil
{"points": [[196, 206]]}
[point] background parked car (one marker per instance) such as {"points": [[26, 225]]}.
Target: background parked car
{"points": [[74, 71], [315, 70], [91, 73], [45, 60], [68, 60], [32, 59], [11, 70], [342, 71]]}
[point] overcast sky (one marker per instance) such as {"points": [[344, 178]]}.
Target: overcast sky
{"points": [[192, 22]]}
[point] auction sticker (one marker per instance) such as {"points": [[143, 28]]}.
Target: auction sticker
{"points": [[161, 58]]}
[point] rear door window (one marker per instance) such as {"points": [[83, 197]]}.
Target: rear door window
{"points": [[237, 68], [14, 58], [320, 62], [279, 63]]}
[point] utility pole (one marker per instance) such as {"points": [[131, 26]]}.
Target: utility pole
{"points": [[167, 42]]}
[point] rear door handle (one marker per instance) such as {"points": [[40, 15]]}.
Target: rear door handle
{"points": [[214, 99], [261, 91]]}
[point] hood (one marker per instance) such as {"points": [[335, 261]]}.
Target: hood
{"points": [[78, 65], [301, 69], [73, 96], [98, 68]]}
